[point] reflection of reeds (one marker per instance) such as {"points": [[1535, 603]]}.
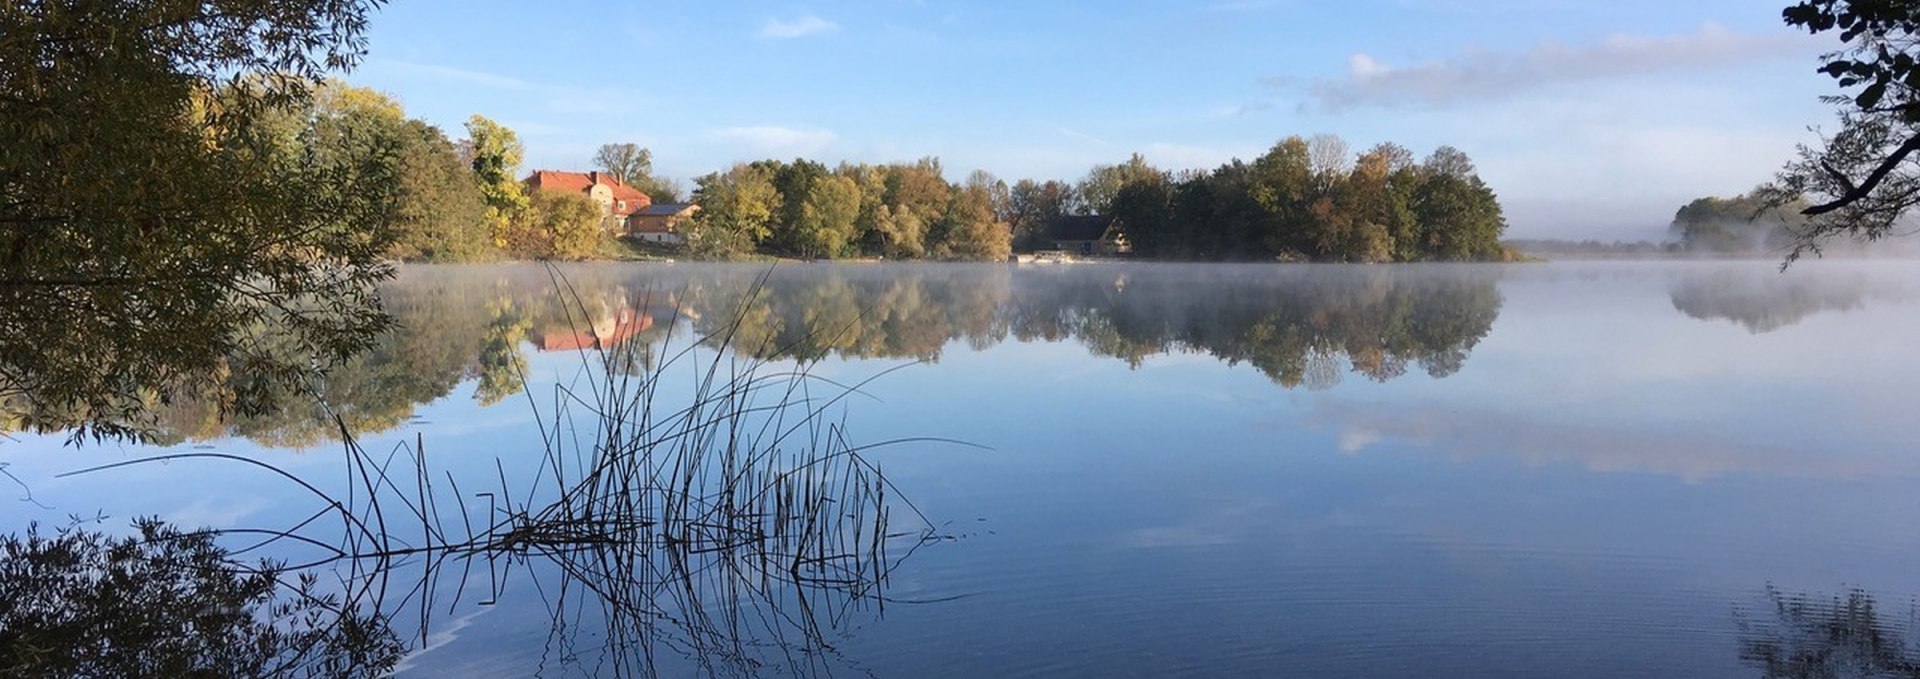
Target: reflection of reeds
{"points": [[1828, 637], [738, 524]]}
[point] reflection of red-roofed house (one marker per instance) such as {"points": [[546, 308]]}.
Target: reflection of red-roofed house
{"points": [[612, 194], [605, 334], [612, 330]]}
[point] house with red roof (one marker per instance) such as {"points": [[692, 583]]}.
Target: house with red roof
{"points": [[619, 199]]}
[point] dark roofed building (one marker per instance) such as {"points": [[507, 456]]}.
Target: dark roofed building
{"points": [[660, 223], [1089, 235]]}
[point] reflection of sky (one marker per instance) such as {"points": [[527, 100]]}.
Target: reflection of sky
{"points": [[1588, 497]]}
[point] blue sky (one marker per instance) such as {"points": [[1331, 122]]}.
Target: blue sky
{"points": [[1590, 118]]}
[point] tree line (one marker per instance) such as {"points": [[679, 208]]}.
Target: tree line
{"points": [[1305, 199]]}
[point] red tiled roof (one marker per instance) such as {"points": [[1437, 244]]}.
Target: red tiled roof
{"points": [[582, 182]]}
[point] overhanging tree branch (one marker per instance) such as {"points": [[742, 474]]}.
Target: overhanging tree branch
{"points": [[1879, 174]]}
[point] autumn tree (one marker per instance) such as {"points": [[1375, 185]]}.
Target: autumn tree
{"points": [[917, 198], [969, 229], [494, 154], [564, 226]]}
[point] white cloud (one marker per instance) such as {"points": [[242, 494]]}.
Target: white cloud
{"points": [[1692, 456], [777, 140], [1477, 74], [779, 29], [208, 513]]}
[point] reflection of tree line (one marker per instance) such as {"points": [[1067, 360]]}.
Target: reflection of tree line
{"points": [[1301, 326], [1763, 300]]}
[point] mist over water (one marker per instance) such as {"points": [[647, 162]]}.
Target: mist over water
{"points": [[1582, 469]]}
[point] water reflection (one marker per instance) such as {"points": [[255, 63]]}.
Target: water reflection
{"points": [[1303, 327], [1807, 636], [733, 527], [164, 603], [1764, 299]]}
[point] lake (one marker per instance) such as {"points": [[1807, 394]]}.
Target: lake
{"points": [[1702, 469]]}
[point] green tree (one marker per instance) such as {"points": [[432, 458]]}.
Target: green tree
{"points": [[440, 214], [1460, 218], [494, 153], [1097, 190], [827, 216], [1284, 189], [1146, 208], [794, 181], [151, 202], [1384, 179], [737, 209]]}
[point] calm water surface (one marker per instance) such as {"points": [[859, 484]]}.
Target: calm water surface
{"points": [[1609, 469]]}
